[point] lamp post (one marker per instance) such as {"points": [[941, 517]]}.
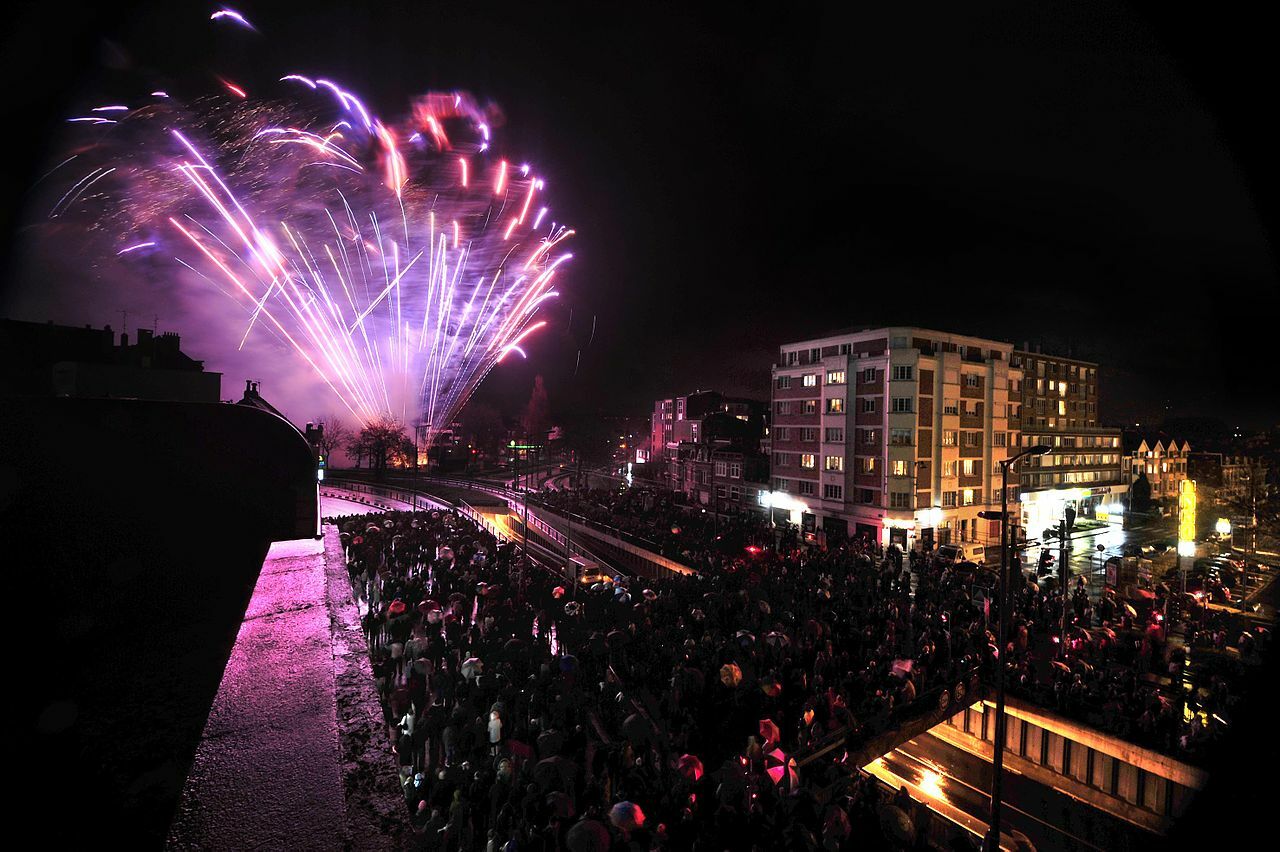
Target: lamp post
{"points": [[993, 833]]}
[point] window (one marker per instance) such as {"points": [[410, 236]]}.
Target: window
{"points": [[972, 380], [809, 406], [808, 433], [721, 492], [834, 463], [784, 407], [870, 436], [999, 439], [903, 373], [835, 405], [968, 497], [971, 439], [722, 469], [784, 382], [902, 404], [805, 487], [868, 404], [898, 342], [782, 433], [868, 465], [966, 467], [835, 436], [833, 492], [782, 459], [735, 493], [735, 470], [846, 348], [835, 377], [1062, 407], [948, 438], [868, 375], [810, 380], [898, 467], [949, 469], [865, 495], [899, 500], [900, 437], [950, 408], [949, 499], [793, 358], [808, 461], [781, 484]]}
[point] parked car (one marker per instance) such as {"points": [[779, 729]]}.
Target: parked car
{"points": [[950, 554]]}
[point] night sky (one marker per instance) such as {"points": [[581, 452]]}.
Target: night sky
{"points": [[1085, 175]]}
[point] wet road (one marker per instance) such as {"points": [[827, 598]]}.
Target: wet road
{"points": [[938, 772]]}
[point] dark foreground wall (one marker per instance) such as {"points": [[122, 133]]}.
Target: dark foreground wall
{"points": [[133, 533]]}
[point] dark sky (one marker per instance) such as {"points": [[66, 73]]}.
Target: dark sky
{"points": [[1089, 175]]}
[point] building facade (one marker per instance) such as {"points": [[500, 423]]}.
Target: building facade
{"points": [[894, 435], [1162, 459], [1060, 409], [1221, 478]]}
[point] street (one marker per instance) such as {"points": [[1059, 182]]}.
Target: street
{"points": [[956, 782]]}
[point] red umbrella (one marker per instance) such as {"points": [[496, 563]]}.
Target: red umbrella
{"points": [[781, 767], [769, 732], [730, 674], [690, 767]]}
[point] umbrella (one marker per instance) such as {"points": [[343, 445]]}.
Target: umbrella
{"points": [[638, 729], [771, 688], [1061, 666], [649, 595], [558, 592], [572, 608], [730, 674], [781, 767], [764, 606], [690, 767], [769, 732], [472, 667], [776, 638], [895, 823], [588, 836], [626, 816], [1128, 607], [745, 637]]}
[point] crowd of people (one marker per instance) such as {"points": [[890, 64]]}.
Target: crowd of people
{"points": [[671, 713], [528, 712], [665, 521]]}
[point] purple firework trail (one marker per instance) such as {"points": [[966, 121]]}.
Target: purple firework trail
{"points": [[401, 263]]}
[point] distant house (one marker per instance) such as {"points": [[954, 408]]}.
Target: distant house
{"points": [[1161, 457]]}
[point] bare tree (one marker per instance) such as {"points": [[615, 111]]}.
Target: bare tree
{"points": [[336, 434], [385, 443]]}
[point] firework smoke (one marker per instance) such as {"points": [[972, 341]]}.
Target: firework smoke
{"points": [[399, 263]]}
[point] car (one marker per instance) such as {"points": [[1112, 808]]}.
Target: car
{"points": [[950, 554]]}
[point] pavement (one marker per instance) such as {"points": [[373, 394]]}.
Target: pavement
{"points": [[275, 767]]}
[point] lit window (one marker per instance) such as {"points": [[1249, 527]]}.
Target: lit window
{"points": [[966, 467], [899, 467], [808, 460], [835, 377], [835, 405], [968, 496], [809, 406], [810, 380], [834, 463], [948, 438]]}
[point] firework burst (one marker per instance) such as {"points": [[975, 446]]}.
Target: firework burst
{"points": [[400, 262]]}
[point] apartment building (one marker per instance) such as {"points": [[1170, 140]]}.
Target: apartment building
{"points": [[1060, 409], [894, 434], [708, 446], [1161, 458]]}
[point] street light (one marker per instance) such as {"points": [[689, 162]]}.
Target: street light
{"points": [[993, 832]]}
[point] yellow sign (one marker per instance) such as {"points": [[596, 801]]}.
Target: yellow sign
{"points": [[1186, 517]]}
